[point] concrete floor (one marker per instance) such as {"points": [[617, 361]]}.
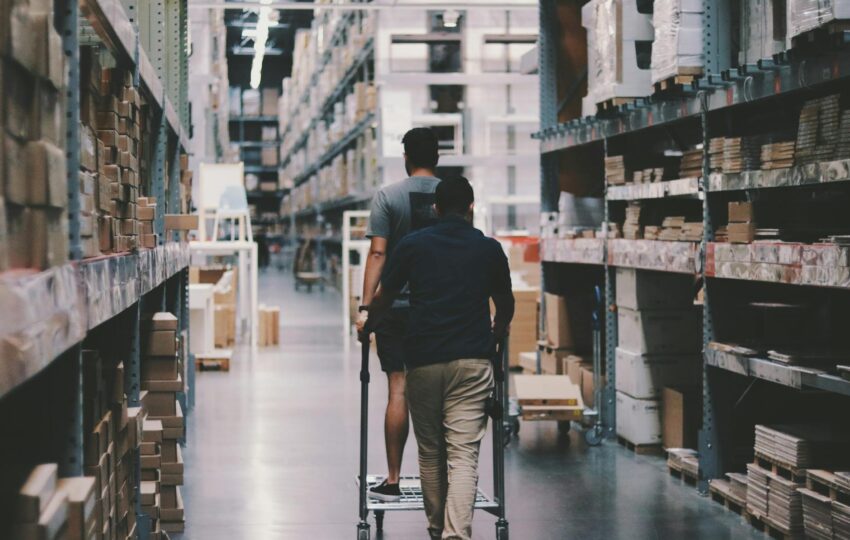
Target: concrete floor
{"points": [[273, 452]]}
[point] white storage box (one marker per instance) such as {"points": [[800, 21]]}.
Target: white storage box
{"points": [[638, 420], [660, 331], [645, 289], [759, 38], [806, 15], [644, 376], [678, 48], [613, 29]]}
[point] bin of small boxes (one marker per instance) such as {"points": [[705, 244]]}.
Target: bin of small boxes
{"points": [[162, 459], [34, 224], [112, 436], [53, 507]]}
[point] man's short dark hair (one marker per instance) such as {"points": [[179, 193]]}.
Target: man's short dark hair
{"points": [[454, 196], [420, 145]]}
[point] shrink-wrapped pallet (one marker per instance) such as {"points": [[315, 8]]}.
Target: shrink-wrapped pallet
{"points": [[677, 49]]}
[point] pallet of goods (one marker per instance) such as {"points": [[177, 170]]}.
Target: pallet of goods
{"points": [[811, 21], [616, 73], [677, 51]]}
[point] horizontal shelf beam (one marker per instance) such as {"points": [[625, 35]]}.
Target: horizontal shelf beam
{"points": [[49, 312], [745, 85]]}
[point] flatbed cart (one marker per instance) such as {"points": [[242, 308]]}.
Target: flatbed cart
{"points": [[557, 402], [411, 491]]}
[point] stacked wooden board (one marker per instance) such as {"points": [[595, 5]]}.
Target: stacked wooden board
{"points": [[740, 154], [631, 227], [615, 170], [691, 164], [818, 130], [778, 155]]}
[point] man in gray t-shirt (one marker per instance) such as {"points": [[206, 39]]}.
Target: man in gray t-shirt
{"points": [[398, 209]]}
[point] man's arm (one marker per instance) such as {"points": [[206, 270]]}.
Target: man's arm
{"points": [[374, 268], [502, 294], [397, 274]]}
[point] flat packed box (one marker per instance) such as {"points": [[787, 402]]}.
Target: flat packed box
{"points": [[645, 289], [682, 412], [643, 376], [638, 420], [660, 332], [566, 327]]}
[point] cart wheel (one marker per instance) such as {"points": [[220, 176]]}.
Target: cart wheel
{"points": [[379, 520], [564, 427], [515, 427], [593, 436], [363, 532], [501, 530]]}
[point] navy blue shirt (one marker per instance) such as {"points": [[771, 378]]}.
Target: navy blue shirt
{"points": [[453, 271]]}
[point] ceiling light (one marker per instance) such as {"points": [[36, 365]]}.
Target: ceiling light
{"points": [[264, 17], [450, 18]]}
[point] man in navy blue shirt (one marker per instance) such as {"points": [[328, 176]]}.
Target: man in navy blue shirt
{"points": [[453, 272]]}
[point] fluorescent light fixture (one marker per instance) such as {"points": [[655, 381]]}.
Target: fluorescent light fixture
{"points": [[264, 16], [450, 18]]}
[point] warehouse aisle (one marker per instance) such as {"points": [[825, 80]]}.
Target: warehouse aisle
{"points": [[273, 455]]}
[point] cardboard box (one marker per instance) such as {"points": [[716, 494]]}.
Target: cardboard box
{"points": [[741, 212], [159, 368], [169, 450], [181, 222], [574, 365], [587, 387], [268, 157], [50, 523], [644, 376], [161, 343], [660, 331], [528, 361], [158, 404], [152, 431], [175, 385], [552, 360], [162, 320], [681, 416], [645, 290], [80, 493], [566, 328], [741, 233], [638, 420], [35, 494]]}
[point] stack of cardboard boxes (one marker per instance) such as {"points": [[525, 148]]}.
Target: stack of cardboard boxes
{"points": [[33, 169], [659, 335], [523, 336], [741, 228], [112, 437], [568, 339], [111, 144], [147, 215], [162, 379], [51, 507]]}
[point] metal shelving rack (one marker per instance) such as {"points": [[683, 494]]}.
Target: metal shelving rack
{"points": [[59, 309], [722, 90]]}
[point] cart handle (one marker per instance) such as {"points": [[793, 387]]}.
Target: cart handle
{"points": [[597, 308]]}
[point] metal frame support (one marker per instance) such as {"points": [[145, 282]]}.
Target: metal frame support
{"points": [[609, 392], [716, 35], [69, 14], [69, 422], [709, 450]]}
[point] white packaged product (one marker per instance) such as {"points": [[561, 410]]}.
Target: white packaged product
{"points": [[759, 37], [677, 49], [638, 420], [644, 376], [614, 28], [806, 15]]}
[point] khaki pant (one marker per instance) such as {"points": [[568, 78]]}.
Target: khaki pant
{"points": [[447, 402]]}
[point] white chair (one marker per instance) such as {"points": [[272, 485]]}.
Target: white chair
{"points": [[233, 207]]}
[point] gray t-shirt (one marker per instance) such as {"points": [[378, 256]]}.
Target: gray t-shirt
{"points": [[400, 208]]}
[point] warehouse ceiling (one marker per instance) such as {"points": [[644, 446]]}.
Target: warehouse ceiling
{"points": [[241, 28]]}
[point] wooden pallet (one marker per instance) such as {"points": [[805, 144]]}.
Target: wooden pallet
{"points": [[611, 105], [835, 34], [216, 361], [641, 449], [784, 470], [683, 475], [769, 528], [677, 83], [720, 492], [823, 482]]}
